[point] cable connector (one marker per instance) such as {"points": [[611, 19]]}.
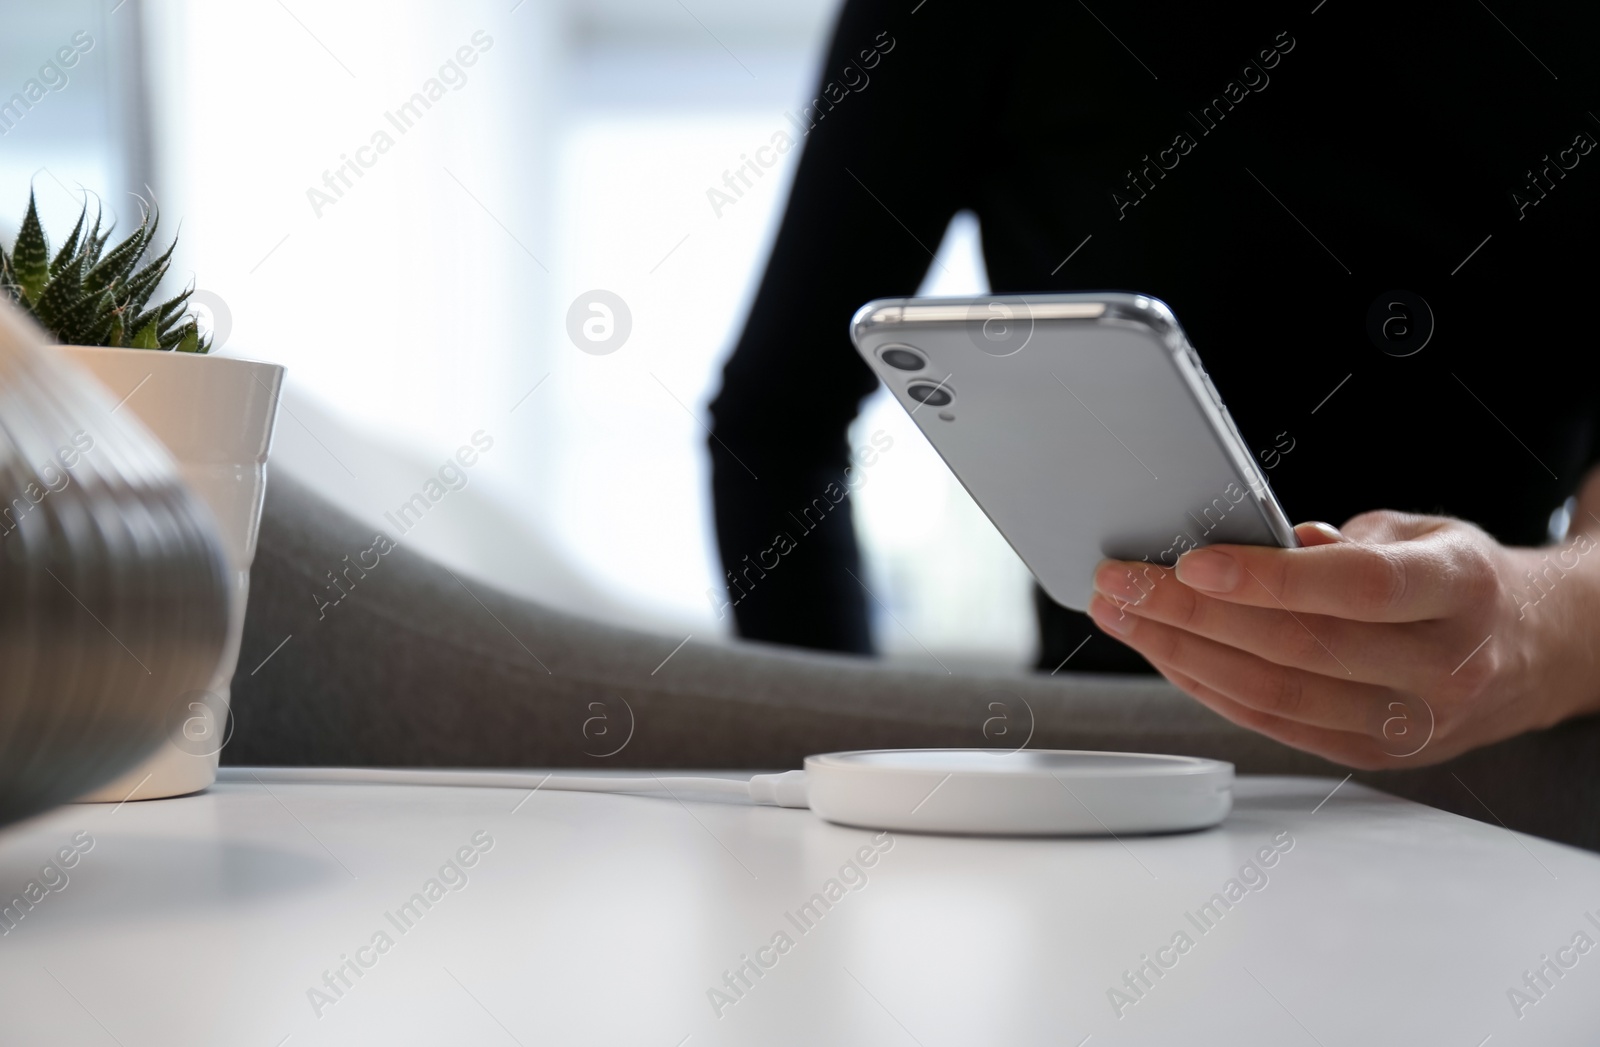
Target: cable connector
{"points": [[787, 789]]}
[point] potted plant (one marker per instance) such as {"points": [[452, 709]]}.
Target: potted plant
{"points": [[214, 415]]}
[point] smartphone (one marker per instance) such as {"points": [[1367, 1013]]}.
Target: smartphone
{"points": [[1083, 425]]}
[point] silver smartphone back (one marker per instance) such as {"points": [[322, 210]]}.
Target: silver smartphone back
{"points": [[1082, 424]]}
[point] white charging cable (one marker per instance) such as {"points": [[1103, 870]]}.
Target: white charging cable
{"points": [[1025, 792], [785, 789]]}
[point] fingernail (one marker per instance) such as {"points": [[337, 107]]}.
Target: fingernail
{"points": [[1116, 581], [1110, 617], [1208, 570], [1328, 531]]}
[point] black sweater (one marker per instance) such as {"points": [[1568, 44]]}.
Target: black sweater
{"points": [[1271, 172]]}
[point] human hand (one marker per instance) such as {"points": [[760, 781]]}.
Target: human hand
{"points": [[1404, 640]]}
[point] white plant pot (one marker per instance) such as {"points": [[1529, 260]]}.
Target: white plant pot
{"points": [[215, 416]]}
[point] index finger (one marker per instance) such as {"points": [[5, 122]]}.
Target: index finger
{"points": [[1404, 581]]}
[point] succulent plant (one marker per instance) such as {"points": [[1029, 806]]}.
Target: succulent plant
{"points": [[88, 295]]}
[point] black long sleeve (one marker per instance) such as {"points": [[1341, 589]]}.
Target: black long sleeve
{"points": [[1273, 174]]}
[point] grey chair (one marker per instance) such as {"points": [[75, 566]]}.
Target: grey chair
{"points": [[415, 669]]}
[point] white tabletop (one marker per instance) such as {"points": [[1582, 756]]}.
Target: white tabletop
{"points": [[601, 919]]}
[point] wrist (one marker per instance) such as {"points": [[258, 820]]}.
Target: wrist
{"points": [[1554, 599]]}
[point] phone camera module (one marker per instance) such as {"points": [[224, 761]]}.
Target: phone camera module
{"points": [[930, 394], [903, 359]]}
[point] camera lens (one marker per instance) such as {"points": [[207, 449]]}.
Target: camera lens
{"points": [[932, 395], [903, 359]]}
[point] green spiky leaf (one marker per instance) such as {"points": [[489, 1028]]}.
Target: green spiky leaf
{"points": [[146, 337], [162, 315], [95, 242], [69, 250], [190, 342], [115, 266], [30, 255], [187, 333], [8, 280], [53, 304], [142, 284], [84, 321]]}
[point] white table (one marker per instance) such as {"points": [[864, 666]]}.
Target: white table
{"points": [[606, 919]]}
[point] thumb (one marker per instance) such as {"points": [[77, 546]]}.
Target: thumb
{"points": [[1318, 533]]}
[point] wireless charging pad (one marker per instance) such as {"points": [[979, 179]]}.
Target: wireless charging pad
{"points": [[1039, 792]]}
